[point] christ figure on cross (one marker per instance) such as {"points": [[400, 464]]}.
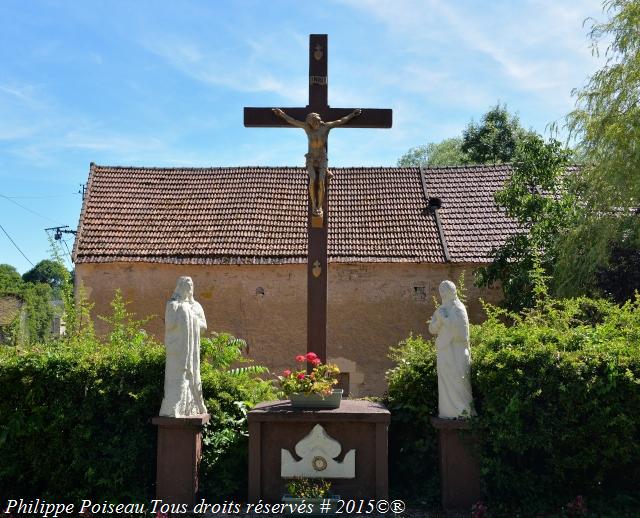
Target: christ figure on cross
{"points": [[317, 162]]}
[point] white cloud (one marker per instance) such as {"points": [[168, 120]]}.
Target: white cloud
{"points": [[227, 69], [536, 46], [25, 94]]}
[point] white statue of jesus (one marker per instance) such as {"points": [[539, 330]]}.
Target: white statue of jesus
{"points": [[451, 325], [184, 318]]}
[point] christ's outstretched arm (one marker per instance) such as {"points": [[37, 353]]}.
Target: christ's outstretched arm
{"points": [[290, 120], [344, 119]]}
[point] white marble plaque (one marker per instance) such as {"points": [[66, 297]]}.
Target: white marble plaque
{"points": [[317, 452]]}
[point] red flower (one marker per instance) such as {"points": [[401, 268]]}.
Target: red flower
{"points": [[315, 362], [286, 373], [300, 376], [311, 356], [300, 358]]}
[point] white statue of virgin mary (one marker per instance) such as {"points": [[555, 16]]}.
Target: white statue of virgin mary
{"points": [[183, 320], [451, 325]]}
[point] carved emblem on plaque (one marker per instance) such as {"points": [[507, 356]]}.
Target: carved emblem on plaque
{"points": [[317, 452], [319, 463], [318, 52]]}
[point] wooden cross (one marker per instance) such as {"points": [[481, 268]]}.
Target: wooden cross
{"points": [[317, 227]]}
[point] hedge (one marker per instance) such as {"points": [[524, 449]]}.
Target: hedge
{"points": [[557, 392], [76, 418]]}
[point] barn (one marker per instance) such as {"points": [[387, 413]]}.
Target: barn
{"points": [[240, 233]]}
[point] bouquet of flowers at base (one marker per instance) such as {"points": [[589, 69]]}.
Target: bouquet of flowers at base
{"points": [[320, 380]]}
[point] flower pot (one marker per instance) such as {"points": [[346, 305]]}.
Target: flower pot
{"points": [[302, 506], [316, 400]]}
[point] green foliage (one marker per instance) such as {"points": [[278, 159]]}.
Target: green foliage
{"points": [[308, 488], [605, 122], [495, 139], [221, 350], [538, 197], [49, 272], [77, 417], [413, 399], [557, 394], [37, 297], [39, 310], [10, 280], [125, 329], [14, 333], [229, 394], [621, 278], [76, 421], [447, 152], [77, 308]]}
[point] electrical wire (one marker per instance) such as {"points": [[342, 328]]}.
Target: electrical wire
{"points": [[39, 197], [14, 244], [68, 251], [27, 208]]}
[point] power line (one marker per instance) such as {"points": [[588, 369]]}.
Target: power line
{"points": [[14, 244], [39, 197], [68, 251], [27, 208]]}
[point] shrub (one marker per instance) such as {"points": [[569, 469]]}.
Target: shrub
{"points": [[557, 392], [413, 399], [76, 421], [76, 416], [229, 393]]}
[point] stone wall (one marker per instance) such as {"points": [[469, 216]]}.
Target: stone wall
{"points": [[371, 307]]}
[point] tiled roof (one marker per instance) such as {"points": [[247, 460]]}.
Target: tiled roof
{"points": [[10, 307], [257, 215]]}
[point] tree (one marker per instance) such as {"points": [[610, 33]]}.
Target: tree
{"points": [[538, 197], [37, 298], [39, 310], [10, 280], [606, 124], [494, 140], [447, 152], [621, 278], [49, 272]]}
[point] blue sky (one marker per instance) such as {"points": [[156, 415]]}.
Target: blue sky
{"points": [[163, 83]]}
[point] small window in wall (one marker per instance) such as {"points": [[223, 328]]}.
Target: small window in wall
{"points": [[260, 291], [420, 293]]}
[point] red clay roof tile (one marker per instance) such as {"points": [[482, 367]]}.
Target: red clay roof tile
{"points": [[257, 215]]}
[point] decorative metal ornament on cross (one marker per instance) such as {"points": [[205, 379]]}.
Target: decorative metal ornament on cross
{"points": [[312, 119]]}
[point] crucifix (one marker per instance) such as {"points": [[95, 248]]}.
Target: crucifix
{"points": [[317, 118]]}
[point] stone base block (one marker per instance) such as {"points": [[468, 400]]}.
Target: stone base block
{"points": [[357, 425], [459, 466], [179, 451]]}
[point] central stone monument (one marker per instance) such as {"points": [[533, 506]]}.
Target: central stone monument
{"points": [[317, 111], [357, 431]]}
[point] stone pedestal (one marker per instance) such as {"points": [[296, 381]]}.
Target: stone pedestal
{"points": [[179, 450], [357, 425], [459, 466]]}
